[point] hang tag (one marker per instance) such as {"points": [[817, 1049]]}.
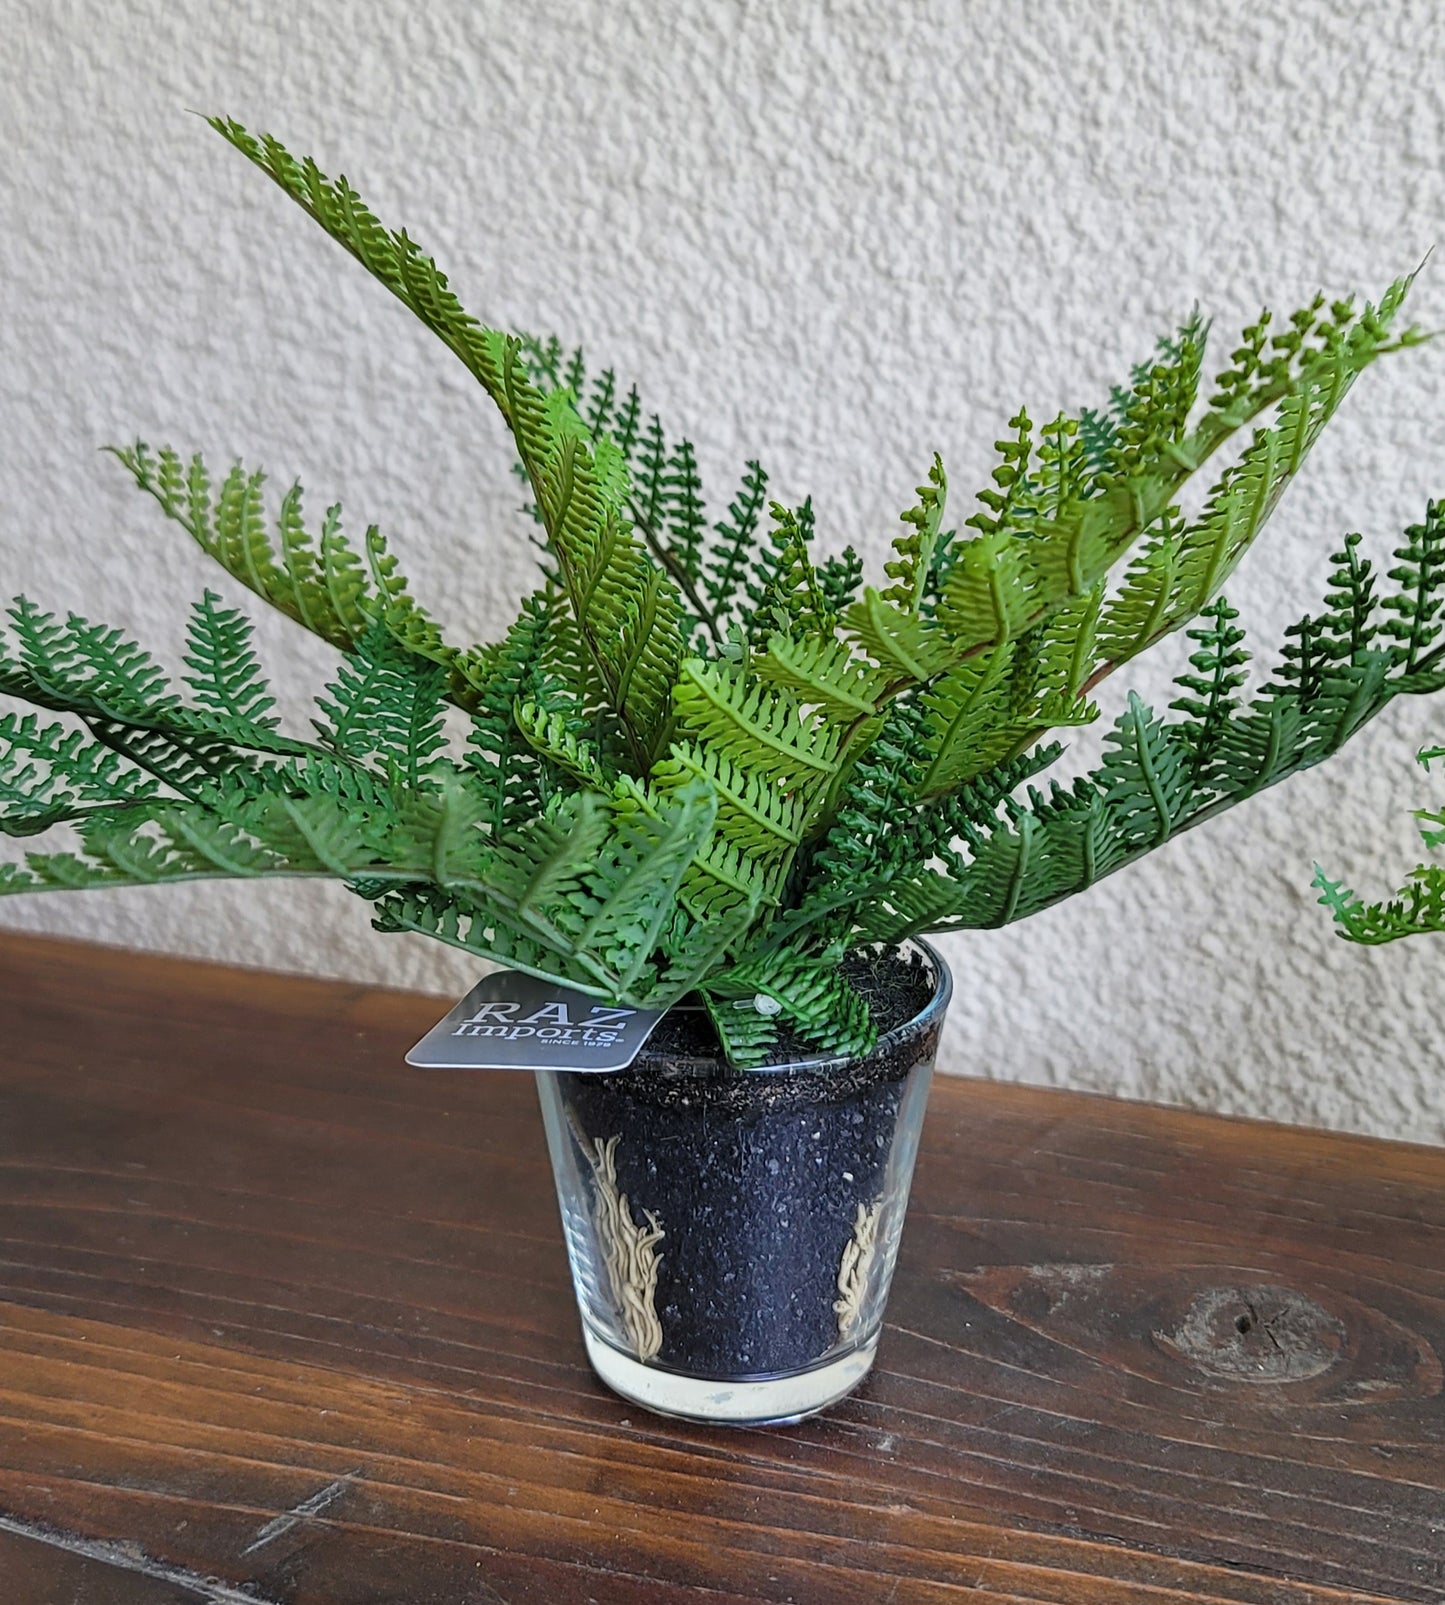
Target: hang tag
{"points": [[511, 1021]]}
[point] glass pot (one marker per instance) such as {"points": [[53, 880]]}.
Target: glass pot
{"points": [[732, 1235]]}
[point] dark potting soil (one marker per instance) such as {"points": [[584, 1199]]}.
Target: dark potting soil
{"points": [[755, 1176]]}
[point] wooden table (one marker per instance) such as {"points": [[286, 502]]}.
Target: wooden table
{"points": [[282, 1320]]}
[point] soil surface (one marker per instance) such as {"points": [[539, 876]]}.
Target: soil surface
{"points": [[756, 1177]]}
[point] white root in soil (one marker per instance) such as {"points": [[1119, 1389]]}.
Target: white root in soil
{"points": [[629, 1251], [853, 1272]]}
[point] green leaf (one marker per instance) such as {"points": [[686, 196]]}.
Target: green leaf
{"points": [[910, 650], [514, 780], [1145, 776], [839, 579], [782, 585], [912, 564], [49, 775], [989, 599], [319, 580], [754, 814], [1218, 671], [225, 676], [1420, 575], [756, 727], [386, 705], [821, 672], [628, 899], [1026, 564], [1418, 908], [733, 541], [627, 612], [746, 1034], [810, 994], [686, 515]]}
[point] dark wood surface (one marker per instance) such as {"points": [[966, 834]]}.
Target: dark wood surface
{"points": [[282, 1320]]}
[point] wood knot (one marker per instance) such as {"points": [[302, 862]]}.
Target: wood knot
{"points": [[1216, 1329], [1257, 1333]]}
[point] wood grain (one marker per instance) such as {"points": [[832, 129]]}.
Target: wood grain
{"points": [[279, 1315]]}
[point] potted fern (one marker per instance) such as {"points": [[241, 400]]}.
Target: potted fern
{"points": [[709, 773]]}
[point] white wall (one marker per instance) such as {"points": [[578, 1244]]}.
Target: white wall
{"points": [[834, 235]]}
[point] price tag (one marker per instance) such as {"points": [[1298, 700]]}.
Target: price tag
{"points": [[511, 1021]]}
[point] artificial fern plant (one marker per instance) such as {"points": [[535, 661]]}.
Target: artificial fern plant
{"points": [[704, 758]]}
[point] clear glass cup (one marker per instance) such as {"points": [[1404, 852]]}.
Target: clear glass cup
{"points": [[732, 1235]]}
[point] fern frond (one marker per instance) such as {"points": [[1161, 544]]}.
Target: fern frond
{"points": [[651, 476], [988, 600], [1417, 909], [1420, 575], [1066, 651], [225, 676], [1010, 480], [1013, 580], [1064, 473], [840, 577], [1158, 779], [543, 867], [782, 585], [391, 256], [628, 898], [969, 724], [1217, 671], [581, 489], [754, 815], [686, 515], [695, 949], [628, 613], [1153, 414], [1133, 619], [148, 846], [867, 837], [320, 581], [50, 775], [746, 1033], [1145, 777], [497, 751], [759, 828], [387, 706], [911, 650], [665, 499], [91, 664], [732, 543], [1419, 906], [123, 698], [821, 672], [912, 565], [558, 739], [758, 728], [809, 993]]}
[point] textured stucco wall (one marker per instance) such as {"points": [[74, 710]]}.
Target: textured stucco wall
{"points": [[837, 236]]}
